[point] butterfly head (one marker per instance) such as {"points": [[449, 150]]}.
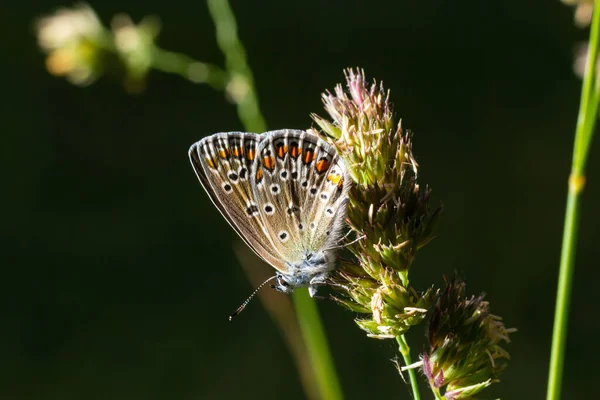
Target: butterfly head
{"points": [[311, 272]]}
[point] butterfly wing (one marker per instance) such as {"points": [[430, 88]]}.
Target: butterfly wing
{"points": [[302, 183], [223, 163]]}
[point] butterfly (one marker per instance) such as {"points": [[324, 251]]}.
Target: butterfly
{"points": [[285, 193]]}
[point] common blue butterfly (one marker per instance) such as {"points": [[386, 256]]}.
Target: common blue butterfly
{"points": [[284, 192]]}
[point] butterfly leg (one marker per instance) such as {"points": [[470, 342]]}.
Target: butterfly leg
{"points": [[315, 282]]}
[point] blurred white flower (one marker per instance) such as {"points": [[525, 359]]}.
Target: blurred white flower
{"points": [[135, 47], [583, 11], [72, 38], [66, 26], [580, 59], [81, 49]]}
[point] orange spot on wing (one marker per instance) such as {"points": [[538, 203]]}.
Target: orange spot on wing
{"points": [[281, 150], [223, 153], [308, 156], [322, 165], [236, 151], [269, 163], [250, 154], [211, 163], [259, 175], [295, 150]]}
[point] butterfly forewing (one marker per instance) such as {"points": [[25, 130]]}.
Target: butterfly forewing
{"points": [[224, 165]]}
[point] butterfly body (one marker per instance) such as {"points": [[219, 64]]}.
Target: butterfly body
{"points": [[312, 272], [284, 192]]}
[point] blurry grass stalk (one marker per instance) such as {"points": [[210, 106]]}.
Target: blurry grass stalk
{"points": [[241, 89], [311, 355], [586, 121], [190, 69], [241, 83], [316, 343], [281, 310]]}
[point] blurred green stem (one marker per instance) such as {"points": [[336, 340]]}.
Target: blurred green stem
{"points": [[241, 85], [242, 90], [588, 110], [405, 351], [185, 66], [316, 342]]}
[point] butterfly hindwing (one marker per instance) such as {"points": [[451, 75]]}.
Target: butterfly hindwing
{"points": [[326, 192], [303, 182], [224, 163]]}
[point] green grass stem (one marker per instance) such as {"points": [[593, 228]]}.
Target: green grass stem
{"points": [[405, 351], [195, 71], [318, 348], [241, 85], [586, 121]]}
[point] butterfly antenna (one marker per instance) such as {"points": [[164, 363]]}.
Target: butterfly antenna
{"points": [[245, 303]]}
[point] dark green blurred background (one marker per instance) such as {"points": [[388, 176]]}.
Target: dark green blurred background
{"points": [[118, 272]]}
